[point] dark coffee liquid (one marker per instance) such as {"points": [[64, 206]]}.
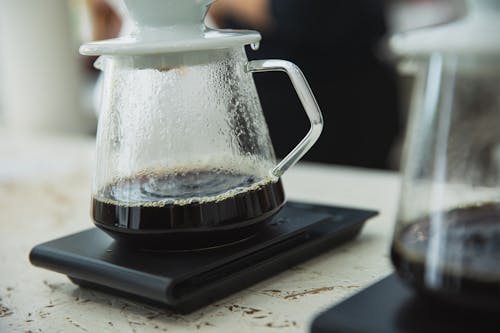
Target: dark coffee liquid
{"points": [[463, 265], [187, 202]]}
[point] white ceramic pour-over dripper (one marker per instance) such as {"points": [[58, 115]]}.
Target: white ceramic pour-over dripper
{"points": [[163, 26], [165, 13]]}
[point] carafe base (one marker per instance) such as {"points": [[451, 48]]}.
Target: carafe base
{"points": [[194, 239]]}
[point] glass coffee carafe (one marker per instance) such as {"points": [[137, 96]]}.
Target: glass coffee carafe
{"points": [[447, 238], [184, 157]]}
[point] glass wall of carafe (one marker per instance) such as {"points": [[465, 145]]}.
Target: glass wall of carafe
{"points": [[176, 113], [447, 238], [184, 155]]}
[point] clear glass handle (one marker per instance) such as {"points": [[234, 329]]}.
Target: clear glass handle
{"points": [[308, 102]]}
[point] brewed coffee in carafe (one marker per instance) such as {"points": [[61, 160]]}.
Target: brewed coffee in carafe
{"points": [[184, 157]]}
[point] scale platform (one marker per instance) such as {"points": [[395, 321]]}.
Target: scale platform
{"points": [[186, 281], [390, 306]]}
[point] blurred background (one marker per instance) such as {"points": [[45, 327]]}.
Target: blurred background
{"points": [[47, 87]]}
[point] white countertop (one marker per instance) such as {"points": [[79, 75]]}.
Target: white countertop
{"points": [[45, 194]]}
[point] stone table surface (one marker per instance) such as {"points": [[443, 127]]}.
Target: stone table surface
{"points": [[44, 194]]}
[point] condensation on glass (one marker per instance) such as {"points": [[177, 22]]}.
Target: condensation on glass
{"points": [[157, 114]]}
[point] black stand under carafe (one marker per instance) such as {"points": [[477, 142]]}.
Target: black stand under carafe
{"points": [[185, 281]]}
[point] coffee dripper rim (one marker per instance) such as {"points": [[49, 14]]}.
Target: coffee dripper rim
{"points": [[212, 39]]}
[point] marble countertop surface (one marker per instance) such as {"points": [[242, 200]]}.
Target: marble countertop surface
{"points": [[45, 192]]}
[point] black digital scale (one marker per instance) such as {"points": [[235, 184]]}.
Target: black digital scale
{"points": [[389, 306], [186, 281]]}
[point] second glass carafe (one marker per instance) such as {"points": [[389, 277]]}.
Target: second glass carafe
{"points": [[447, 238]]}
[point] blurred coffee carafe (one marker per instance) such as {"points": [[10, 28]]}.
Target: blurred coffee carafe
{"points": [[447, 238], [184, 158]]}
